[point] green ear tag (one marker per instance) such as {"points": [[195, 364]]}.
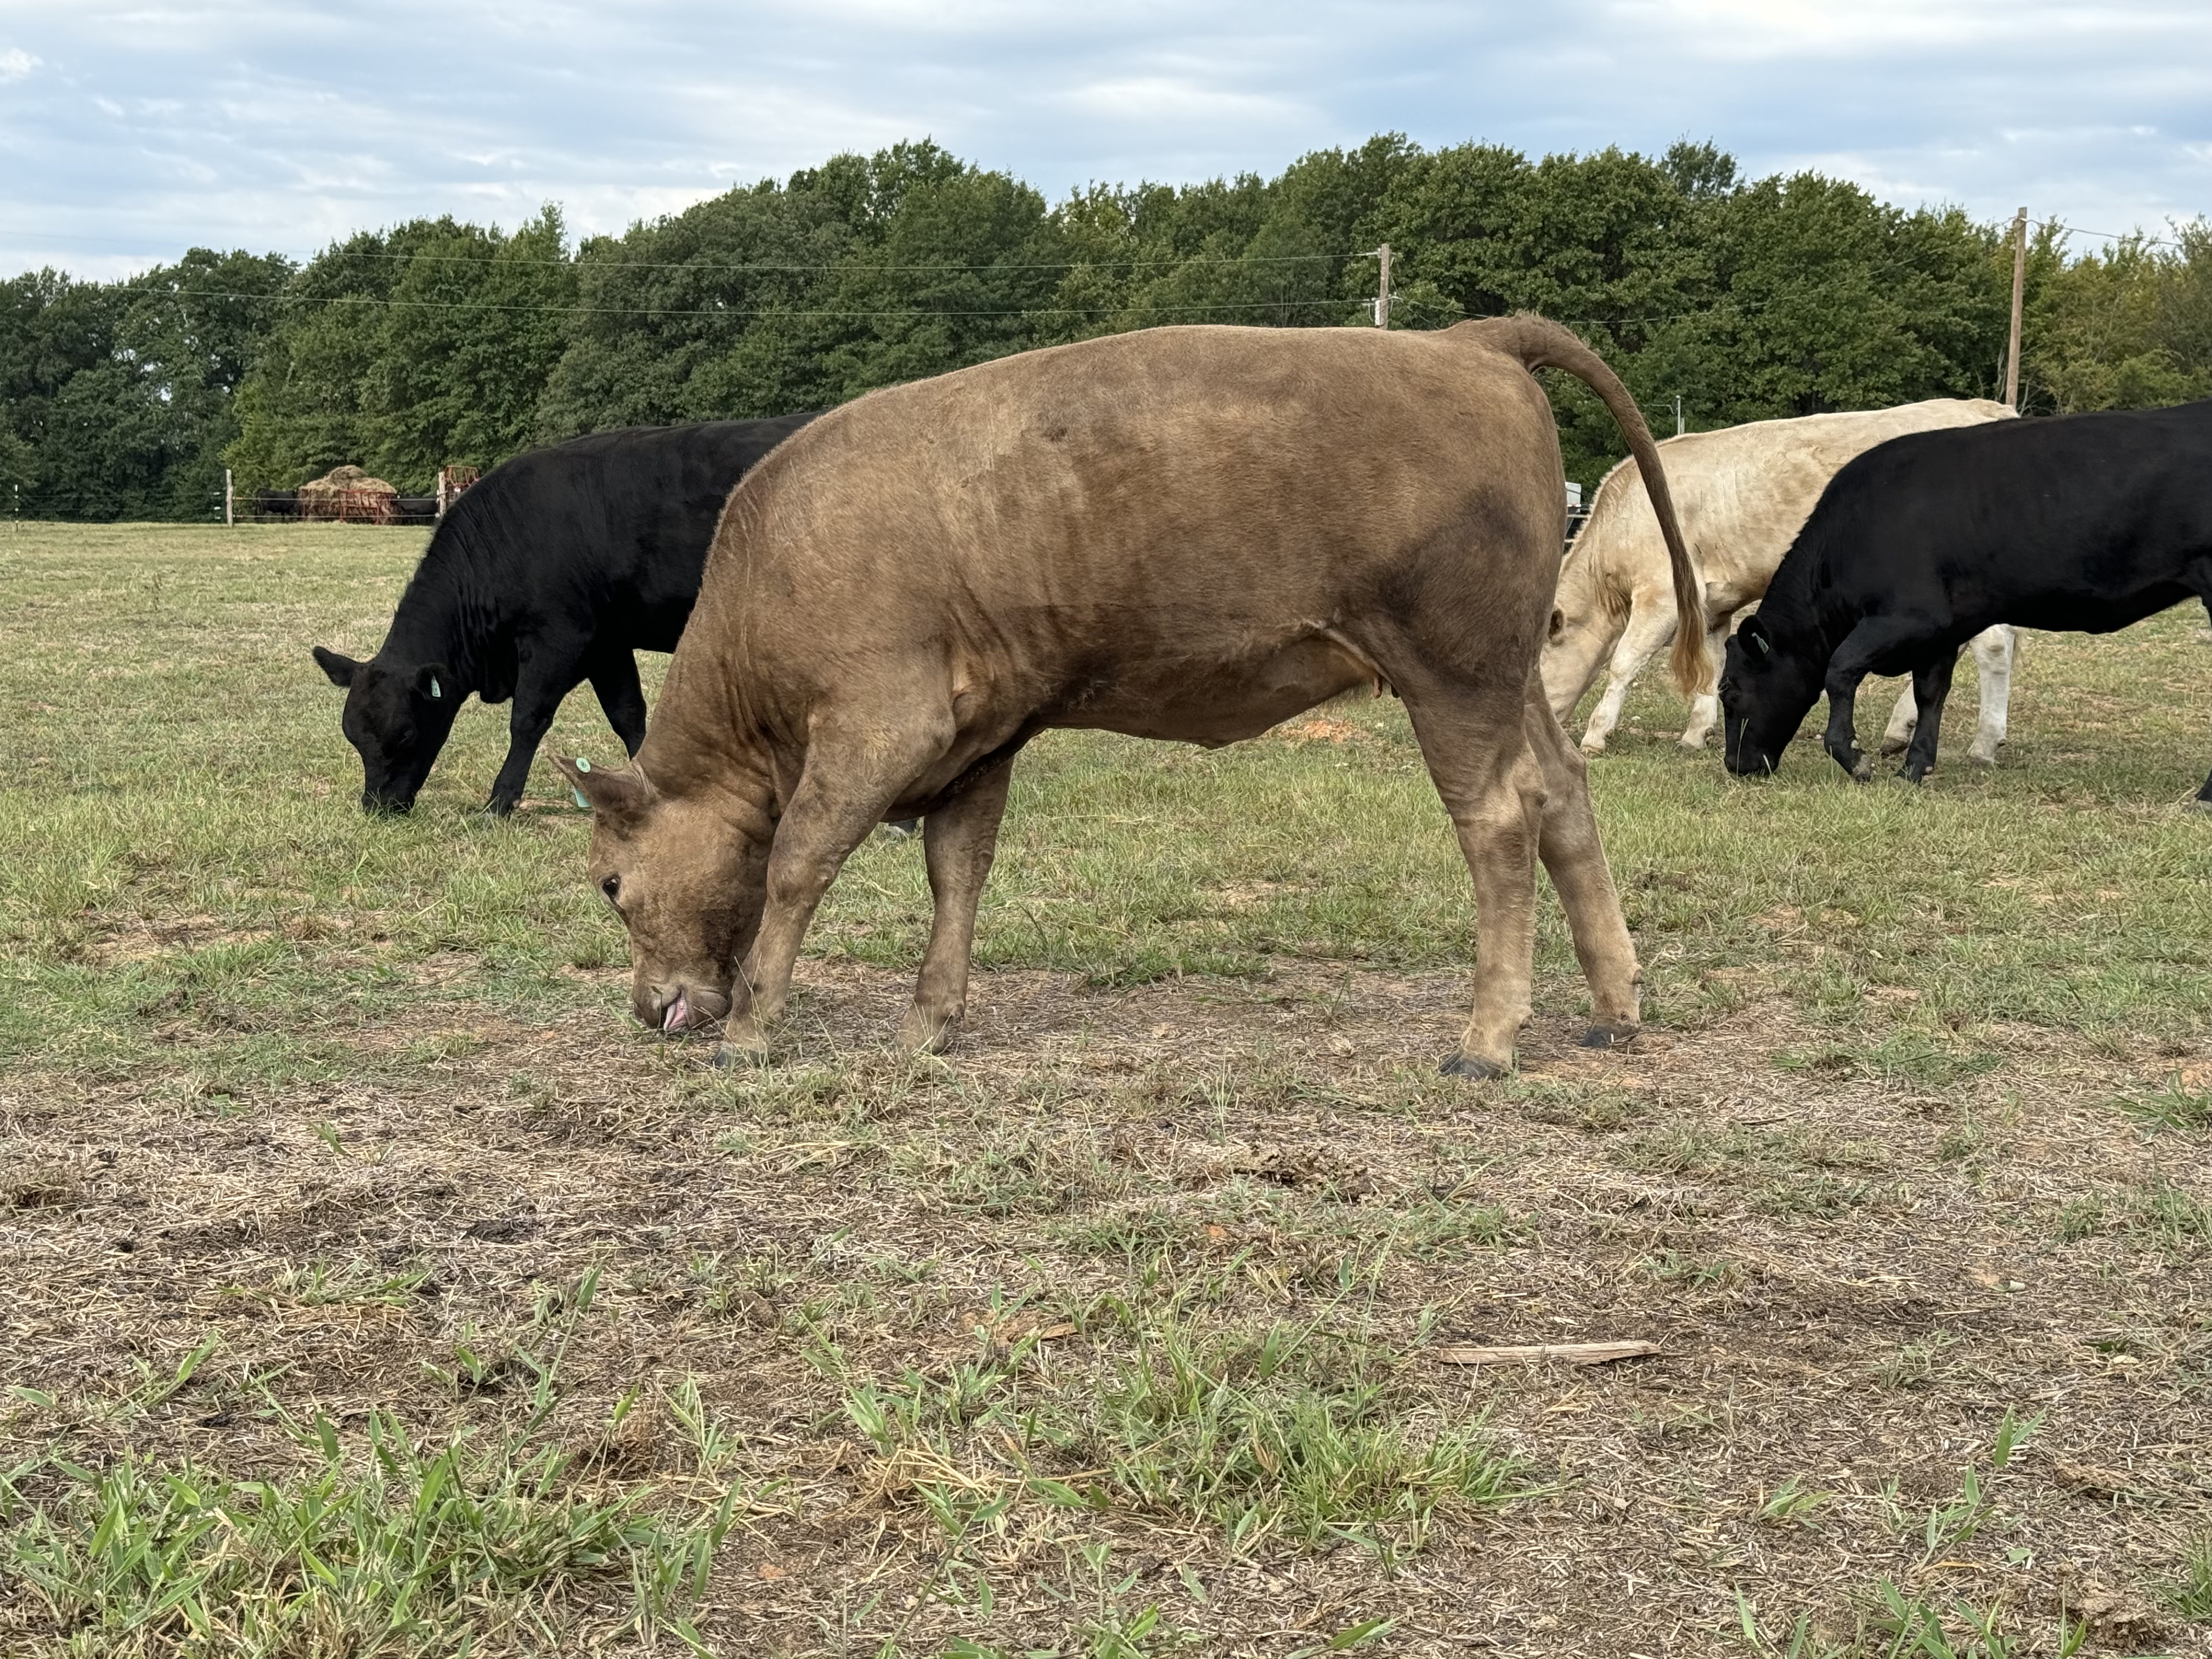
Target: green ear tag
{"points": [[434, 692], [580, 802], [582, 765]]}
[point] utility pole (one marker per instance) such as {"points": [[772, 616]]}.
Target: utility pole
{"points": [[1677, 415], [227, 517], [1382, 293], [2019, 279]]}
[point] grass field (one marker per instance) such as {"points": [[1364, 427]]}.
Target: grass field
{"points": [[373, 1285]]}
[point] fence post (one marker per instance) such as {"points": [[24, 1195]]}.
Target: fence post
{"points": [[1679, 428], [1382, 293], [2019, 277], [227, 513], [442, 491]]}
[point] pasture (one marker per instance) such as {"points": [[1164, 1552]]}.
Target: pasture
{"points": [[373, 1285]]}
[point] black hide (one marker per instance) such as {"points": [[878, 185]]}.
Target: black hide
{"points": [[2078, 524], [553, 569]]}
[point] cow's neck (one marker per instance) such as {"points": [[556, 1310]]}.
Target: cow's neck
{"points": [[439, 620], [1794, 619], [706, 725]]}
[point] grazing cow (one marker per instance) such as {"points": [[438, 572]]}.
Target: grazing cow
{"points": [[554, 570], [2081, 523], [1742, 492], [1184, 533]]}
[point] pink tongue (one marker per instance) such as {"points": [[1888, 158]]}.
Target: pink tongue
{"points": [[678, 1012]]}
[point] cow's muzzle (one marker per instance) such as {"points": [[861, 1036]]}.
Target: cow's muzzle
{"points": [[675, 1008], [1745, 758]]}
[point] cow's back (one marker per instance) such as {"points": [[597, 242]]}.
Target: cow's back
{"points": [[2074, 523], [602, 535], [1742, 494], [1192, 490]]}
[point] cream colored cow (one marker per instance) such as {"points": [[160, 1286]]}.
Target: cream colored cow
{"points": [[1742, 494]]}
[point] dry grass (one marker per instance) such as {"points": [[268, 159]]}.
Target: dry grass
{"points": [[1110, 1335]]}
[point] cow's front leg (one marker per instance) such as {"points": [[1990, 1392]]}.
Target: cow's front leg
{"points": [[960, 840], [1648, 633], [538, 691], [1873, 640], [1705, 707], [850, 778], [1931, 687], [1904, 715], [1841, 739]]}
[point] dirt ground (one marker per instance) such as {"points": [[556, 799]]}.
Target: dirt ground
{"points": [[1851, 1272]]}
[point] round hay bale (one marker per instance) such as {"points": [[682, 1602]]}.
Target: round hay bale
{"points": [[349, 493]]}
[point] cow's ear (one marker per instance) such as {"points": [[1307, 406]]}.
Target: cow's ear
{"points": [[620, 797], [341, 669], [1754, 636], [430, 681]]}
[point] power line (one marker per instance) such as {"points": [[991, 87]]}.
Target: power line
{"points": [[726, 311], [2118, 236], [861, 263]]}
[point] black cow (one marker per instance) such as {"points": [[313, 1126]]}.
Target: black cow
{"points": [[554, 570], [2081, 523]]}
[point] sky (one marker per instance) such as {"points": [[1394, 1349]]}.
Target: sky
{"points": [[131, 130]]}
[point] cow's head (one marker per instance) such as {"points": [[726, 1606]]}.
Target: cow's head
{"points": [[398, 720], [1765, 693], [1587, 621], [687, 874]]}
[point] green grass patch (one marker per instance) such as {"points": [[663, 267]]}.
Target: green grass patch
{"points": [[387, 1545]]}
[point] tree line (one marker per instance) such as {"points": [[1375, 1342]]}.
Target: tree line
{"points": [[436, 341]]}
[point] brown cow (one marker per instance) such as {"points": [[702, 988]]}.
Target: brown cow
{"points": [[1188, 534]]}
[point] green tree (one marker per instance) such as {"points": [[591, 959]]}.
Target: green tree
{"points": [[2129, 326]]}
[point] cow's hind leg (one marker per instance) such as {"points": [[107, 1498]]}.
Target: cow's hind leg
{"points": [[1478, 754], [1931, 689], [850, 778], [1993, 650], [614, 679], [1575, 859], [960, 840]]}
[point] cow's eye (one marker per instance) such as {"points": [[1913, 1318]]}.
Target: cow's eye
{"points": [[613, 888]]}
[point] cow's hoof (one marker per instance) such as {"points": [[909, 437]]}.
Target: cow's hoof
{"points": [[1693, 746], [1913, 774], [1474, 1066], [1981, 759], [1861, 769], [1593, 750], [500, 809], [919, 1034], [739, 1057], [1892, 744], [1609, 1036]]}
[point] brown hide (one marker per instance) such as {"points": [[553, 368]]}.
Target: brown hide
{"points": [[1188, 534]]}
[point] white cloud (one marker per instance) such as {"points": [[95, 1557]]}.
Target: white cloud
{"points": [[154, 124]]}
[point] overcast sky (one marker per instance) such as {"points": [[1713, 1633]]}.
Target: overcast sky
{"points": [[130, 131]]}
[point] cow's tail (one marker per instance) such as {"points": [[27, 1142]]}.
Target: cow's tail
{"points": [[1538, 343]]}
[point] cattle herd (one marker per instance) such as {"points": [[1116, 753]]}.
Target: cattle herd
{"points": [[1194, 533]]}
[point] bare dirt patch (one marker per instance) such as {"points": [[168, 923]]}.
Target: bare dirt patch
{"points": [[1853, 1265]]}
